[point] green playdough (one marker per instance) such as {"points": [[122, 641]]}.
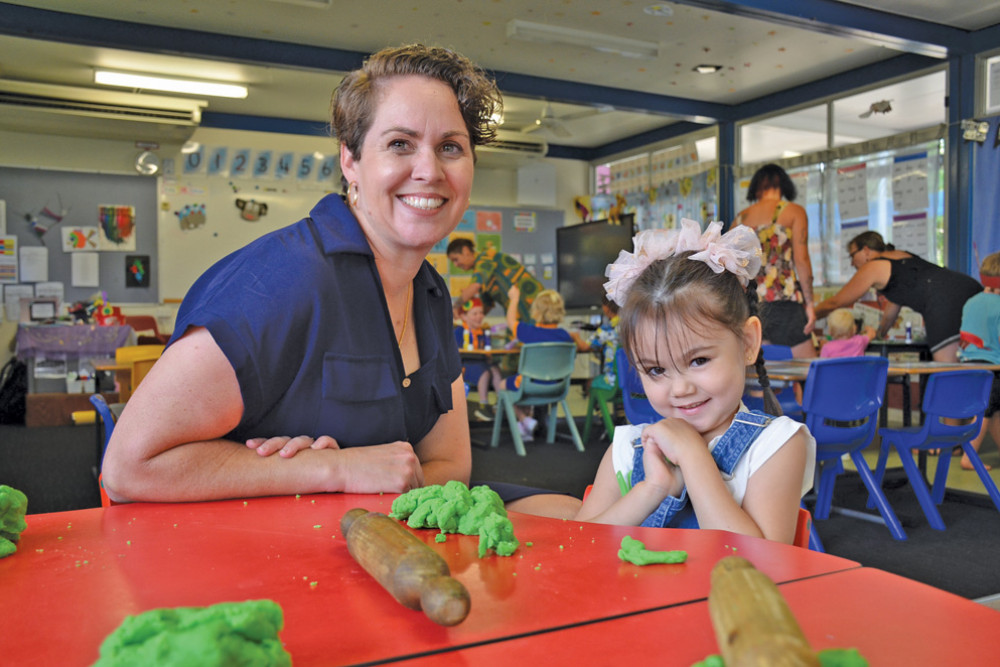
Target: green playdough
{"points": [[634, 551], [828, 657], [454, 508], [228, 633], [13, 507]]}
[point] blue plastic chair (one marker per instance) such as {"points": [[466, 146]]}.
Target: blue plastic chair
{"points": [[545, 370], [784, 391], [637, 407], [956, 396], [841, 400], [109, 415]]}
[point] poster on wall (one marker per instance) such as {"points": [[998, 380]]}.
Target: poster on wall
{"points": [[79, 239], [117, 228], [909, 182], [34, 264], [852, 191], [909, 233], [8, 259], [137, 271]]}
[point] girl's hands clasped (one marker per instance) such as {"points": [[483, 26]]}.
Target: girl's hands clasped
{"points": [[666, 444]]}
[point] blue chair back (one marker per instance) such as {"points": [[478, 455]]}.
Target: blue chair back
{"points": [[546, 370], [841, 400], [960, 396], [776, 352], [107, 420], [753, 396], [637, 407]]}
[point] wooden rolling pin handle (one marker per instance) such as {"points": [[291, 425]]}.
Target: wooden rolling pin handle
{"points": [[416, 575], [753, 625]]}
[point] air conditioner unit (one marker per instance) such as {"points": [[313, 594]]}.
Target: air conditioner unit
{"points": [[50, 109], [516, 144]]}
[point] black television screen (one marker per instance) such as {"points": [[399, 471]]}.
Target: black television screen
{"points": [[583, 252]]}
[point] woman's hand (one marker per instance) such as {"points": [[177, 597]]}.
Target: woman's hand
{"points": [[810, 319], [287, 447], [514, 293]]}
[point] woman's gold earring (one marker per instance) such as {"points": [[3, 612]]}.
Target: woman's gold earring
{"points": [[353, 189]]}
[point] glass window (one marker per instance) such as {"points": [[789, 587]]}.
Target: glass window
{"points": [[784, 136], [883, 112]]}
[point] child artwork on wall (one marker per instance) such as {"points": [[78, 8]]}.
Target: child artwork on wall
{"points": [[79, 239], [136, 270], [117, 227]]}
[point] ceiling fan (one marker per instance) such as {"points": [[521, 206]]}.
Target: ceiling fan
{"points": [[547, 121]]}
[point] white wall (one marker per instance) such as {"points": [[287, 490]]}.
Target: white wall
{"points": [[184, 254]]}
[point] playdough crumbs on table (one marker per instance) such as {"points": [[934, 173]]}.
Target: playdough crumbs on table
{"points": [[828, 657], [297, 496], [13, 508], [318, 526], [313, 584], [634, 551], [245, 503], [228, 633], [454, 508], [440, 537], [529, 544]]}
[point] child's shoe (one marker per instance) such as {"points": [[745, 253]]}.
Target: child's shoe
{"points": [[527, 434]]}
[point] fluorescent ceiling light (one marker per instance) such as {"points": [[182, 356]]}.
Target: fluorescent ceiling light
{"points": [[707, 69], [550, 34], [170, 85]]}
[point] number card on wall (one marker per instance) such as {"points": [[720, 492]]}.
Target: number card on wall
{"points": [[240, 166], [218, 164], [283, 165], [194, 160], [262, 164]]}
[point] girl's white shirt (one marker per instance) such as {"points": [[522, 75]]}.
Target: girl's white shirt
{"points": [[773, 438]]}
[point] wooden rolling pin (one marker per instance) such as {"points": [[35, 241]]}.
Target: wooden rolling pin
{"points": [[753, 624], [416, 575]]}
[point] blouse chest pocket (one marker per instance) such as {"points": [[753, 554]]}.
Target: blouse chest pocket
{"points": [[361, 401]]}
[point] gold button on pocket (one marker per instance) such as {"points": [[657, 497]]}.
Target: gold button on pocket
{"points": [[406, 382]]}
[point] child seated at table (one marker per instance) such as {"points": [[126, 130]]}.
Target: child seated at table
{"points": [[548, 311], [688, 325], [470, 335], [845, 341], [980, 337]]}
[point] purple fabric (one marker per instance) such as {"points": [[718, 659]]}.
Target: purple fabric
{"points": [[73, 341]]}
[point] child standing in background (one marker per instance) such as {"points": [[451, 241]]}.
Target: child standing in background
{"points": [[980, 338], [845, 339], [606, 341], [547, 311], [470, 335], [687, 323]]}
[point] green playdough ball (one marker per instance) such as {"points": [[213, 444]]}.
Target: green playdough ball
{"points": [[228, 633], [13, 508]]}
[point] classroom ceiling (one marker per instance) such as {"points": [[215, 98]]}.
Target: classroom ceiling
{"points": [[290, 52]]}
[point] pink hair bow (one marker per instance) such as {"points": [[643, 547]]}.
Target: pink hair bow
{"points": [[737, 251]]}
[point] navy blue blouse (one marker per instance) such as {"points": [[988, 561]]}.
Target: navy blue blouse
{"points": [[301, 316]]}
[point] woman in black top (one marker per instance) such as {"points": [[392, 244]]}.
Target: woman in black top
{"points": [[904, 279]]}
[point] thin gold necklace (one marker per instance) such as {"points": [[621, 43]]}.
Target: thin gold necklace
{"points": [[406, 313]]}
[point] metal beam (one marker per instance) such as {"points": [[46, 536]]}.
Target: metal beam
{"points": [[894, 31]]}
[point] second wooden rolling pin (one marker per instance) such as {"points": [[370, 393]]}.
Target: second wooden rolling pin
{"points": [[753, 624], [416, 575]]}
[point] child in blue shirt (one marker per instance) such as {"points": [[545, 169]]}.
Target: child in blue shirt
{"points": [[980, 340], [547, 311]]}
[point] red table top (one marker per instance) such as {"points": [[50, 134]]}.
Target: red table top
{"points": [[890, 620], [76, 575]]}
